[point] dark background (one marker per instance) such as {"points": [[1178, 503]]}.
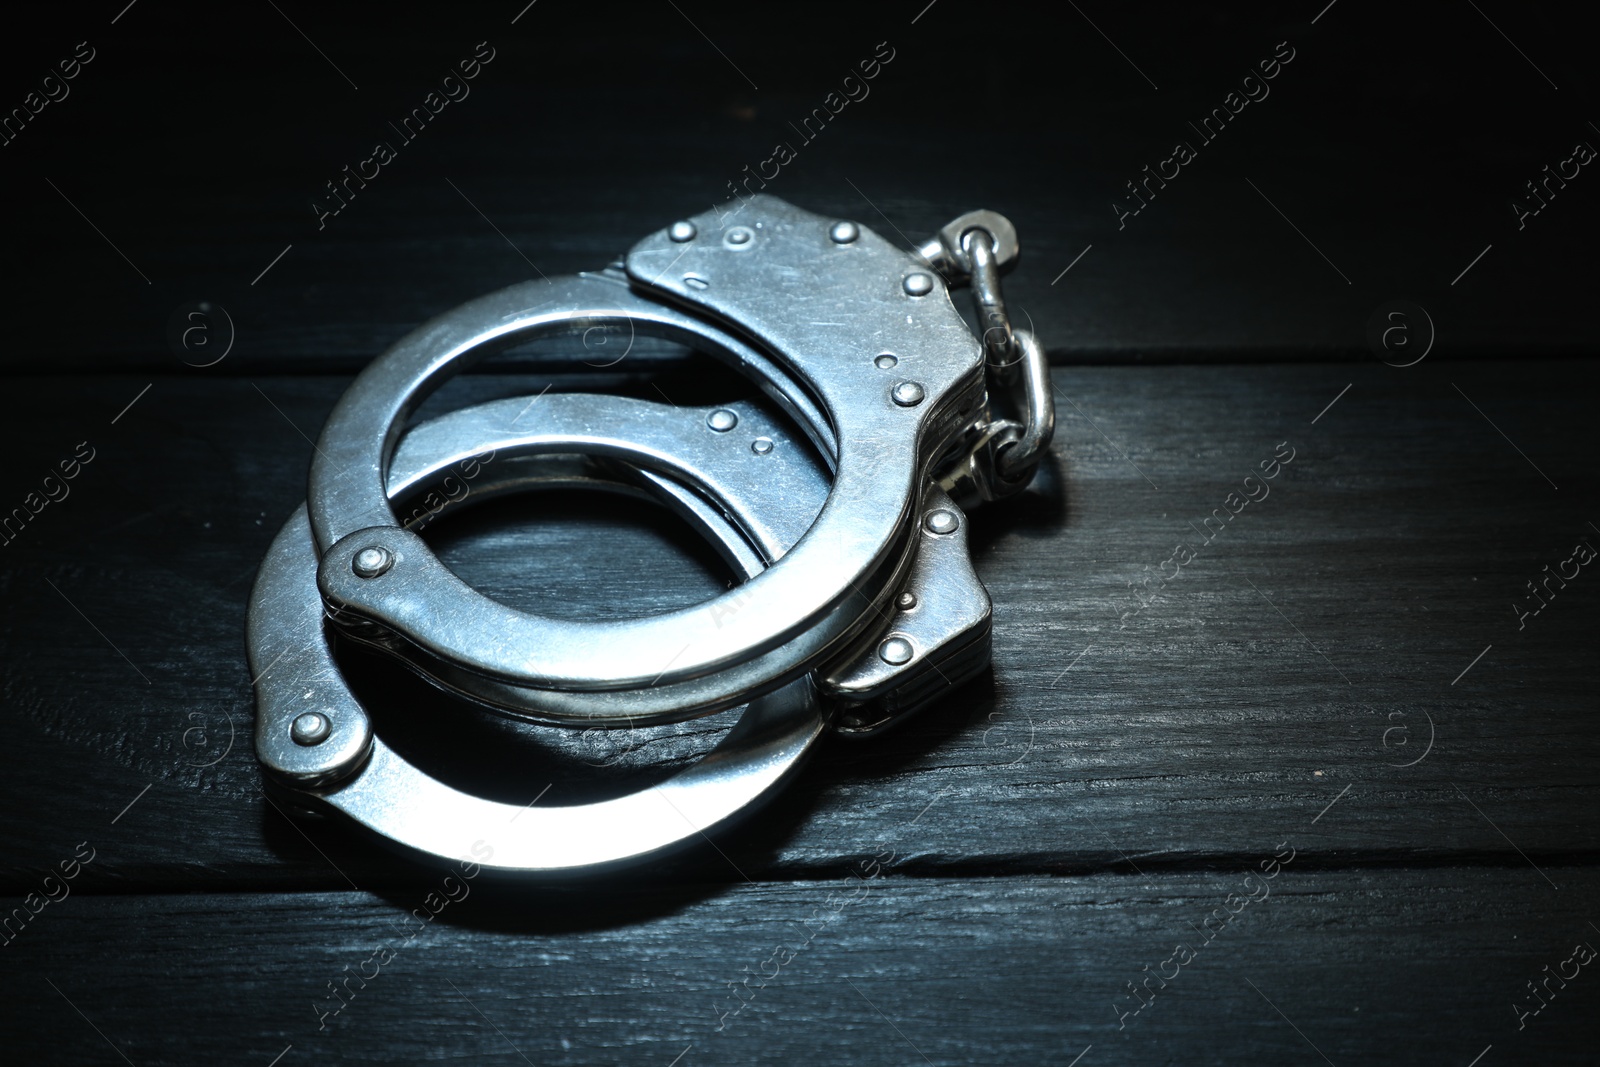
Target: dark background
{"points": [[1056, 826]]}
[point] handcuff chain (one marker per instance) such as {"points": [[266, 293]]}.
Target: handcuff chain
{"points": [[1009, 437]]}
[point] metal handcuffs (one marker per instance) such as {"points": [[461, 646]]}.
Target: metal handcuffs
{"points": [[860, 604]]}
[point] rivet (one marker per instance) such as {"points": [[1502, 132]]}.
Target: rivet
{"points": [[739, 236], [942, 521], [896, 651], [681, 232], [906, 601], [907, 394], [919, 284], [312, 728], [885, 361], [761, 446], [844, 232], [372, 561], [722, 420]]}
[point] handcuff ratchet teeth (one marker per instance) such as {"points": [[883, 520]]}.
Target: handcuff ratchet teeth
{"points": [[838, 494]]}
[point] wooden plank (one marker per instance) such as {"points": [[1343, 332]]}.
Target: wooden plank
{"points": [[1297, 661], [1385, 967], [1316, 205]]}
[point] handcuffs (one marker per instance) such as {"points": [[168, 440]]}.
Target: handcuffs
{"points": [[838, 493]]}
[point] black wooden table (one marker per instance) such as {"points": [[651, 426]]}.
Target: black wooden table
{"points": [[1320, 791]]}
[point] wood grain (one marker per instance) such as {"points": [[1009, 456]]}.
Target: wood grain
{"points": [[589, 130], [1386, 966]]}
